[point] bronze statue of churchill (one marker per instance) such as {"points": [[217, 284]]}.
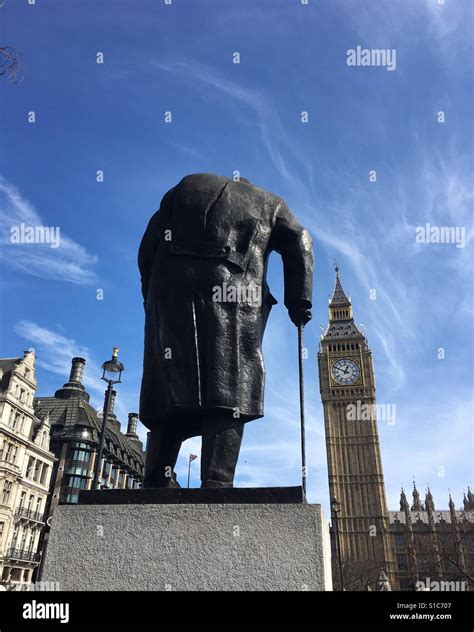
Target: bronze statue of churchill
{"points": [[203, 371]]}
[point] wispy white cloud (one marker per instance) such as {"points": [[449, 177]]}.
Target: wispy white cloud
{"points": [[54, 352], [69, 262]]}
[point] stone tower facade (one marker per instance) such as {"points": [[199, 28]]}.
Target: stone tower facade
{"points": [[347, 388]]}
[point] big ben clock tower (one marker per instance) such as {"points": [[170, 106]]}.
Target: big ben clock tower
{"points": [[347, 387]]}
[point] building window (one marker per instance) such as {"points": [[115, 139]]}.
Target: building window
{"points": [[113, 476], [106, 469], [31, 542], [400, 540], [82, 432], [2, 530], [31, 467], [71, 499], [77, 470], [15, 419], [15, 536], [72, 486], [402, 562], [23, 538], [9, 452], [37, 470], [7, 490], [78, 482], [78, 459], [76, 454], [7, 447], [44, 474]]}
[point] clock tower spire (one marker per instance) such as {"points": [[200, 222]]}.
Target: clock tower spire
{"points": [[347, 386], [340, 307]]}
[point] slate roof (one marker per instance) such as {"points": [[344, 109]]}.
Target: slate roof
{"points": [[339, 298], [342, 330], [75, 411]]}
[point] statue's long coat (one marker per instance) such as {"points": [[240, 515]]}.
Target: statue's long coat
{"points": [[202, 353]]}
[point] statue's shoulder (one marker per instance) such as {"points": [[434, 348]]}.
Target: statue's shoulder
{"points": [[206, 182], [200, 180]]}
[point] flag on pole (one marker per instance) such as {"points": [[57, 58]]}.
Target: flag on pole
{"points": [[192, 457]]}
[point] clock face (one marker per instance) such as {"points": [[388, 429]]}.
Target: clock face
{"points": [[345, 371]]}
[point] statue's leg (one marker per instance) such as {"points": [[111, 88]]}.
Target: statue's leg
{"points": [[162, 452], [221, 440]]}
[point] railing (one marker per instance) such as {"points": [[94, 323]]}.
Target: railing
{"points": [[29, 514], [21, 554]]}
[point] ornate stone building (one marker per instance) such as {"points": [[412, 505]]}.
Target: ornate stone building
{"points": [[432, 545], [26, 465], [75, 429], [347, 388]]}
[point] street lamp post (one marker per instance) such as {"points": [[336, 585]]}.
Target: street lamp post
{"points": [[111, 368], [336, 508]]}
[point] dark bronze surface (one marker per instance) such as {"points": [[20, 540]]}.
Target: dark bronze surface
{"points": [[203, 262]]}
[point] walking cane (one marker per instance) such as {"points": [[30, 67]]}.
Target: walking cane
{"points": [[303, 445]]}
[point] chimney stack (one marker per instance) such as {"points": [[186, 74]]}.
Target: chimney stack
{"points": [[74, 387], [113, 395], [77, 370], [132, 425]]}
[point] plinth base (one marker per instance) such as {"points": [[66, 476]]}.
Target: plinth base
{"points": [[189, 547]]}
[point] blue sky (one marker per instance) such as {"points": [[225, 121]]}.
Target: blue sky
{"points": [[247, 117]]}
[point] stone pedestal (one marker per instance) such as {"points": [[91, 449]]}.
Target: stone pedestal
{"points": [[200, 546]]}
